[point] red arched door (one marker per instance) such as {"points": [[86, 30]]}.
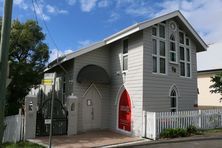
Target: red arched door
{"points": [[124, 121]]}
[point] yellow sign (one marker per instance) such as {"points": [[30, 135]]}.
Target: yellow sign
{"points": [[47, 82]]}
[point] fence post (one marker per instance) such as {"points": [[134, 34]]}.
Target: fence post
{"points": [[144, 123], [199, 116], [154, 122]]}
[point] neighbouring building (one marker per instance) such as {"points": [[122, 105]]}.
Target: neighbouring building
{"points": [[206, 99], [149, 66]]}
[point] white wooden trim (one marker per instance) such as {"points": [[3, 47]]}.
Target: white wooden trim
{"points": [[120, 91], [174, 87], [92, 85], [157, 55], [122, 35]]}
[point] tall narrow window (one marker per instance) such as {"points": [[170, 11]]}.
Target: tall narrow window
{"points": [[159, 49], [182, 61], [181, 37], [125, 54], [154, 55], [173, 100], [161, 31], [173, 51], [185, 56]]}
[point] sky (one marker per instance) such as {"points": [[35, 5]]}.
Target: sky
{"points": [[74, 24]]}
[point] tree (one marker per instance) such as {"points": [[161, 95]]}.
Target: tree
{"points": [[217, 84], [28, 55]]}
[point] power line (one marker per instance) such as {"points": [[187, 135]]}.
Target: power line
{"points": [[44, 22], [36, 18], [47, 29]]}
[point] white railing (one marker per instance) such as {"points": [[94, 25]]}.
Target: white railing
{"points": [[156, 122], [14, 130]]}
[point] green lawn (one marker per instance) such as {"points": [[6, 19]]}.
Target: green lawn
{"points": [[22, 145]]}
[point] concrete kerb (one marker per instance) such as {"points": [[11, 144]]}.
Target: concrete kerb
{"points": [[177, 140], [37, 142], [138, 142]]}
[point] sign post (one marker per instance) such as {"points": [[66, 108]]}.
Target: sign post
{"points": [[49, 79]]}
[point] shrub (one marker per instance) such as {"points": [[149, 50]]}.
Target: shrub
{"points": [[192, 130], [173, 133]]}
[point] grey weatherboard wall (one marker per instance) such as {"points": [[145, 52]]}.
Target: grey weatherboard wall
{"points": [[147, 91], [156, 87], [132, 80], [99, 57]]}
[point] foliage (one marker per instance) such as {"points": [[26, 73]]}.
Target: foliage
{"points": [[22, 145], [216, 87], [179, 132], [28, 55], [173, 133], [192, 130]]}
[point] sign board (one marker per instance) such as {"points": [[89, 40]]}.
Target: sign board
{"points": [[47, 121], [47, 82], [48, 79]]}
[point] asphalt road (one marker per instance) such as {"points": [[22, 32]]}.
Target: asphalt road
{"points": [[195, 142]]}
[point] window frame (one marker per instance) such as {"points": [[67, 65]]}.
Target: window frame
{"points": [[185, 61], [173, 88], [157, 55], [171, 51], [125, 55]]}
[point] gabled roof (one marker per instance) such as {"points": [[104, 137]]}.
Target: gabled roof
{"points": [[201, 45], [209, 71]]}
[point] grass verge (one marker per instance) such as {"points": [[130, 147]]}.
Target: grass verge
{"points": [[22, 145]]}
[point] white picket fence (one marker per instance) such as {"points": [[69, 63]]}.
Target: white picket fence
{"points": [[156, 122], [14, 130]]}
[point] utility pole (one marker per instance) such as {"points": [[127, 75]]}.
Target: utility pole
{"points": [[4, 50]]}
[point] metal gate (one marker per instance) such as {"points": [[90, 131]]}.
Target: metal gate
{"points": [[60, 121]]}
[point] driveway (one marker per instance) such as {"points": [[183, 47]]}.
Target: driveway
{"points": [[88, 139]]}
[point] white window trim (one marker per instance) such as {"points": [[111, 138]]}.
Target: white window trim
{"points": [[176, 51], [125, 54], [177, 96], [158, 56], [176, 108], [185, 61]]}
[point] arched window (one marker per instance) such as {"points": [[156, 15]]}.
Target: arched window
{"points": [[173, 100]]}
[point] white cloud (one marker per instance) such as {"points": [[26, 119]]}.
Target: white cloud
{"points": [[55, 10], [135, 9], [55, 53], [39, 8], [43, 10], [87, 5], [113, 17], [21, 4], [85, 43], [138, 11], [205, 16], [71, 2]]}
